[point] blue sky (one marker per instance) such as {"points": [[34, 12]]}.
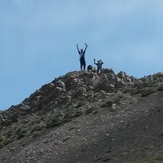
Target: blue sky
{"points": [[38, 40]]}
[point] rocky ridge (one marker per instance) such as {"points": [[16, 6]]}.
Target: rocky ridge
{"points": [[72, 95], [67, 91]]}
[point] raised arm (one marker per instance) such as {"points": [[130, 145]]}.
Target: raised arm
{"points": [[85, 47], [101, 62], [78, 48], [95, 62]]}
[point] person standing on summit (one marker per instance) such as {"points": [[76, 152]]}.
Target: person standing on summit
{"points": [[82, 56], [99, 65]]}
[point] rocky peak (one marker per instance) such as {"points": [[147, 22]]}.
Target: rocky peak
{"points": [[71, 95]]}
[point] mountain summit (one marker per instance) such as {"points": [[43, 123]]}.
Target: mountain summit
{"points": [[85, 117]]}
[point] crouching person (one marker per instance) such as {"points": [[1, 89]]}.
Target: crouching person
{"points": [[89, 68]]}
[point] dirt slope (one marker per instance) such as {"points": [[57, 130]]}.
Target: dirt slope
{"points": [[128, 135]]}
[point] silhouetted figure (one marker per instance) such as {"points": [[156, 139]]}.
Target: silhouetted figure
{"points": [[89, 67], [82, 56], [99, 65]]}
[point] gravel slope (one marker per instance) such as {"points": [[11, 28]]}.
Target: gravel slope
{"points": [[128, 135]]}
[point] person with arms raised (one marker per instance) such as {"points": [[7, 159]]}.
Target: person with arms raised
{"points": [[82, 56]]}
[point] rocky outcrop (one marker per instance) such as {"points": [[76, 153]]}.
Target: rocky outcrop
{"points": [[71, 95], [67, 89]]}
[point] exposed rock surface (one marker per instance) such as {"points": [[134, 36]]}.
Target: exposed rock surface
{"points": [[85, 117]]}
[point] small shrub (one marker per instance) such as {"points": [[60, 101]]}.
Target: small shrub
{"points": [[148, 84], [160, 88], [21, 130], [77, 114], [107, 103], [158, 158], [35, 134], [20, 136], [67, 117], [53, 122], [36, 127], [132, 91], [1, 138], [79, 104], [117, 98], [147, 92], [6, 141], [89, 110]]}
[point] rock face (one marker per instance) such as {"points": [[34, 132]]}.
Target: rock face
{"points": [[65, 90], [107, 98]]}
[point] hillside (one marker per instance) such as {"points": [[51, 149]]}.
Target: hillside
{"points": [[84, 117]]}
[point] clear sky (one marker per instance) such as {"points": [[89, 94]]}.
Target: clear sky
{"points": [[38, 40]]}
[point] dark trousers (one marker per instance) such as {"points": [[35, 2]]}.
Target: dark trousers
{"points": [[82, 63]]}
